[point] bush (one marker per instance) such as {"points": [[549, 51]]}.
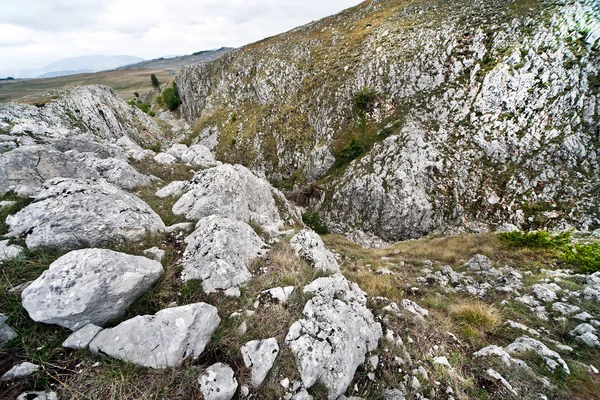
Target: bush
{"points": [[155, 82], [584, 257], [171, 98], [536, 240], [145, 107], [363, 100], [313, 221]]}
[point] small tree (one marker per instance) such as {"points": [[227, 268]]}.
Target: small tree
{"points": [[171, 97], [155, 82]]}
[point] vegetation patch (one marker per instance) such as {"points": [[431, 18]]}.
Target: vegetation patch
{"points": [[313, 221]]}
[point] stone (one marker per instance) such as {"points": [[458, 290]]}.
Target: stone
{"points": [[173, 189], [501, 354], [544, 293], [219, 252], [302, 395], [565, 309], [413, 308], [334, 336], [281, 294], [164, 159], [91, 286], [199, 156], [38, 396], [479, 263], [526, 344], [81, 339], [154, 253], [20, 371], [6, 332], [520, 326], [218, 382], [394, 394], [259, 356], [495, 375], [10, 251], [586, 334], [309, 246], [162, 340], [230, 191], [71, 213], [443, 361]]}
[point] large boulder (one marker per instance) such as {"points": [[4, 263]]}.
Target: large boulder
{"points": [[72, 213], [91, 286], [31, 166], [334, 336], [230, 191], [162, 340], [196, 155], [219, 253], [308, 245]]}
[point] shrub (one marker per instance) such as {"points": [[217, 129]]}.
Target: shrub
{"points": [[363, 100], [155, 82], [171, 98], [145, 107], [585, 257], [313, 221], [536, 240], [136, 94]]}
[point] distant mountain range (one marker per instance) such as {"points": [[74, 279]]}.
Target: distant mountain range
{"points": [[71, 66], [176, 62]]}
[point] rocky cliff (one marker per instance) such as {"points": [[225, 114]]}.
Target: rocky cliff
{"points": [[418, 117]]}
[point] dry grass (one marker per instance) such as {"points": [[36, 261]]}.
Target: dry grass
{"points": [[124, 82], [475, 318]]}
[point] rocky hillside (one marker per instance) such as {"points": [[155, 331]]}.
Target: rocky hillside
{"points": [[395, 119]]}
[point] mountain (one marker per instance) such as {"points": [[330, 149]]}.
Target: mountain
{"points": [[71, 66], [393, 120], [176, 62]]}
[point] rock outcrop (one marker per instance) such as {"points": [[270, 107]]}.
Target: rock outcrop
{"points": [[92, 286], [72, 213], [309, 246], [162, 340], [454, 131], [219, 253], [335, 335]]}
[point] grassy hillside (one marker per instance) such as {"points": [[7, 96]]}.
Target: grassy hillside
{"points": [[125, 82]]}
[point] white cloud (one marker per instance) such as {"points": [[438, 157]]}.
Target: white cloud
{"points": [[38, 32]]}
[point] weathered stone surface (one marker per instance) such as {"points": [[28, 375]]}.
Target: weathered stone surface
{"points": [[162, 340], [219, 253], [479, 263], [335, 335], [6, 332], [230, 191], [91, 286], [218, 382], [501, 354], [38, 396], [176, 188], [544, 293], [259, 356], [70, 213], [81, 339], [308, 245], [586, 334], [9, 251], [198, 156], [526, 344], [20, 371], [281, 294], [31, 166], [155, 253], [164, 159]]}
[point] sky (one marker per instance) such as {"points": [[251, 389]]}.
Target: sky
{"points": [[34, 33]]}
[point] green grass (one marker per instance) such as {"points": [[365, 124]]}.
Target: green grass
{"points": [[535, 240], [20, 203], [313, 221]]}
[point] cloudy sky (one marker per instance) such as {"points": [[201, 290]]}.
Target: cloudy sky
{"points": [[34, 33]]}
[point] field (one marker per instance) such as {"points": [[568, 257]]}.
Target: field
{"points": [[125, 82]]}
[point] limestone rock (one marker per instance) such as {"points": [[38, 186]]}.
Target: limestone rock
{"points": [[526, 344], [70, 213], [91, 286], [259, 356], [81, 339], [281, 294], [219, 253], [218, 382], [544, 293], [173, 189], [38, 396], [501, 354], [19, 371], [6, 332], [155, 253], [9, 251], [586, 334], [162, 340], [230, 191], [164, 159], [335, 335], [308, 245], [479, 263]]}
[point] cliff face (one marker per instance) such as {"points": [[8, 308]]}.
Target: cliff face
{"points": [[418, 117]]}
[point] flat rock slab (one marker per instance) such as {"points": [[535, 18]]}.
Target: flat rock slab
{"points": [[20, 371], [75, 213], [230, 191], [91, 286], [218, 382], [308, 245], [162, 340], [82, 338], [219, 253], [259, 356], [334, 336]]}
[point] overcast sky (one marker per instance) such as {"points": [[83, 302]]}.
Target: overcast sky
{"points": [[34, 33]]}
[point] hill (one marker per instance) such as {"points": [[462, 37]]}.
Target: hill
{"points": [[397, 119], [173, 63]]}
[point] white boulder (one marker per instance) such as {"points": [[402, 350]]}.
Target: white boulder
{"points": [[259, 356], [308, 245], [218, 382]]}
